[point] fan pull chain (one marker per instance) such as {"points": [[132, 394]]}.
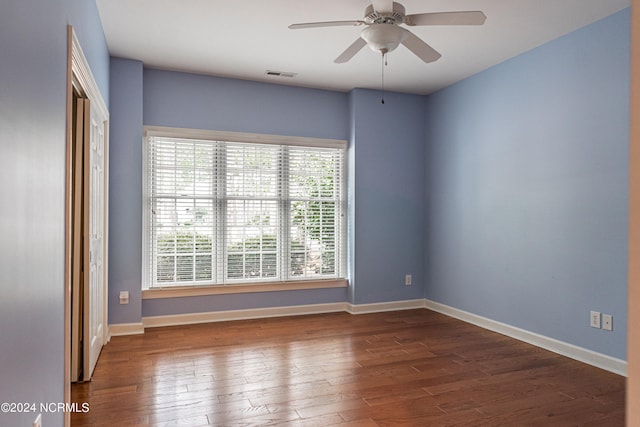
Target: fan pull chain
{"points": [[384, 63]]}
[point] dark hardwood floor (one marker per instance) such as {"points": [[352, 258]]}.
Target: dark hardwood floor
{"points": [[414, 368]]}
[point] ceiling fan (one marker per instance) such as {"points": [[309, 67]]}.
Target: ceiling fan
{"points": [[383, 33]]}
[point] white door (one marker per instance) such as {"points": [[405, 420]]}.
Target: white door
{"points": [[94, 199]]}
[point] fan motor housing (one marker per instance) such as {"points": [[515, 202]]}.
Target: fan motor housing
{"points": [[383, 38], [395, 17]]}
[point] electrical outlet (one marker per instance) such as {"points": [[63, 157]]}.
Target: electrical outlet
{"points": [[595, 319], [607, 322], [38, 421], [407, 279], [124, 297]]}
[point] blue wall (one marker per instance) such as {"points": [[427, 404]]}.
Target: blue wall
{"points": [[33, 75], [125, 189], [527, 187], [388, 196], [204, 102]]}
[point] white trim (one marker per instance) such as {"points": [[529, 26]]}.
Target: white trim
{"points": [[255, 138], [82, 72], [385, 306], [257, 313], [120, 329], [145, 272], [581, 354]]}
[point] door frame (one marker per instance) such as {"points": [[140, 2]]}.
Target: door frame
{"points": [[80, 77]]}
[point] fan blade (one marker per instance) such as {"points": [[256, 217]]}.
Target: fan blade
{"points": [[382, 6], [325, 24], [446, 18], [351, 51], [420, 48]]}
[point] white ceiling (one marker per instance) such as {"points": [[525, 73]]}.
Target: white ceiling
{"points": [[244, 38]]}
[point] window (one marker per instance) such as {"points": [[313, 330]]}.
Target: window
{"points": [[224, 208]]}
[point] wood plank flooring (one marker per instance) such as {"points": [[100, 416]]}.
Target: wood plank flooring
{"points": [[406, 368]]}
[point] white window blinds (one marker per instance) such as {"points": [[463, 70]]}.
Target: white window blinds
{"points": [[225, 212]]}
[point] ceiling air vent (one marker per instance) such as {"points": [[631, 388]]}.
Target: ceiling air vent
{"points": [[280, 73]]}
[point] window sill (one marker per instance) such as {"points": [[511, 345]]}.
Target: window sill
{"points": [[192, 291]]}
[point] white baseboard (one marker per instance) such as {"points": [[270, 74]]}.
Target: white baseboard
{"points": [[126, 329], [590, 357], [260, 313], [257, 313], [385, 306]]}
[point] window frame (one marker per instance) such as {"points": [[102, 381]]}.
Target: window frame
{"points": [[239, 286]]}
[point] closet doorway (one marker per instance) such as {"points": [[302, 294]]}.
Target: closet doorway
{"points": [[86, 220]]}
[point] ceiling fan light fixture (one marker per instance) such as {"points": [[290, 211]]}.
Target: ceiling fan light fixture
{"points": [[383, 38]]}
